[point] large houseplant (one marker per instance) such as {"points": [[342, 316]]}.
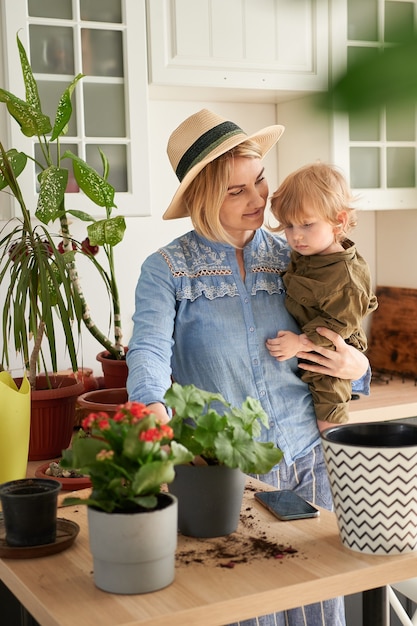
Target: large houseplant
{"points": [[225, 445], [37, 265], [36, 297], [128, 457]]}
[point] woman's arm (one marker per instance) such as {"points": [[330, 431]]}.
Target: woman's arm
{"points": [[344, 362], [150, 347]]}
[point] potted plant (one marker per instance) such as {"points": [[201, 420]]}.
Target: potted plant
{"points": [[42, 263], [37, 297], [132, 524], [223, 440]]}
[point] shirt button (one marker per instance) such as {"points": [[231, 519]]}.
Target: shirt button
{"points": [[246, 300], [262, 393], [251, 328], [255, 361]]}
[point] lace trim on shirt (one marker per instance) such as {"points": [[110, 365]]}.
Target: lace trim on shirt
{"points": [[195, 261]]}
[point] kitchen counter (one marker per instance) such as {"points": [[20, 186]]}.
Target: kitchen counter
{"points": [[390, 398]]}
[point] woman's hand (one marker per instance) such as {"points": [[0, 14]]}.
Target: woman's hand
{"points": [[344, 362], [160, 411]]}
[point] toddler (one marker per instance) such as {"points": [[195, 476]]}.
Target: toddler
{"points": [[328, 283]]}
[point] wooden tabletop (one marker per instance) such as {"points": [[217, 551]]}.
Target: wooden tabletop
{"points": [[217, 581], [391, 397]]}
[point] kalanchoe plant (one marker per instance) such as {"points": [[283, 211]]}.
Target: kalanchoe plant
{"points": [[128, 457], [18, 241], [219, 434]]}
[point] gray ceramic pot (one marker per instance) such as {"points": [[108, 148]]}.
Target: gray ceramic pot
{"points": [[209, 499]]}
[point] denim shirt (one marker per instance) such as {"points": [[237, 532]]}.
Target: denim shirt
{"points": [[196, 320]]}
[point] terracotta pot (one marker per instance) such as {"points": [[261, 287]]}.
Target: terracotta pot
{"points": [[52, 416], [101, 400], [114, 371]]}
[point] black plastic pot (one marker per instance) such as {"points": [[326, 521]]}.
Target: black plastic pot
{"points": [[209, 499], [30, 511]]}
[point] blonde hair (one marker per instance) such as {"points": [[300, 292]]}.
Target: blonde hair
{"points": [[320, 187], [206, 193]]}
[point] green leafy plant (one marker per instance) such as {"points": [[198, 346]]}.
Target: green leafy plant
{"points": [[127, 457], [222, 435], [58, 272], [386, 78]]}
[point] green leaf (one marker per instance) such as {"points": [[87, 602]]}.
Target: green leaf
{"points": [[148, 502], [229, 437], [266, 455], [81, 215], [110, 231], [387, 77], [105, 163], [180, 453], [152, 475], [53, 182], [17, 161], [90, 182], [32, 122], [82, 454], [31, 87], [64, 110]]}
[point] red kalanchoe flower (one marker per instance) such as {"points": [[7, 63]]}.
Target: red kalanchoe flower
{"points": [[129, 456], [105, 455], [159, 432], [94, 419], [103, 423], [151, 435], [168, 432], [132, 411]]}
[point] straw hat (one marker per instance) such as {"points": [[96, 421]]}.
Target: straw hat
{"points": [[199, 140]]}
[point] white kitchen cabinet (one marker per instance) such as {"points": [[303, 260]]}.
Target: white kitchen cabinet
{"points": [[377, 150], [106, 41], [268, 46]]}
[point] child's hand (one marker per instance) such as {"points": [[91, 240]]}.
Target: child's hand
{"points": [[285, 345]]}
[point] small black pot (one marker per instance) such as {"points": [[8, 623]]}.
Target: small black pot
{"points": [[30, 511], [209, 499]]}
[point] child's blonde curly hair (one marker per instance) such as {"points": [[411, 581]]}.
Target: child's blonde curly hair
{"points": [[320, 187]]}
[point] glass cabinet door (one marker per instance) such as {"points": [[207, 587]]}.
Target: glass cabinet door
{"points": [[378, 149], [91, 37]]}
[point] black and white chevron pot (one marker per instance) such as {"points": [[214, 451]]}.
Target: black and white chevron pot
{"points": [[373, 475]]}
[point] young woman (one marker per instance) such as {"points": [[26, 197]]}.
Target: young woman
{"points": [[208, 303]]}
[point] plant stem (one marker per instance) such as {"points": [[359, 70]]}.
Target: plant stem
{"points": [[35, 354], [92, 327]]}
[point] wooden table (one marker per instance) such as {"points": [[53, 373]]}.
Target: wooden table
{"points": [[58, 590]]}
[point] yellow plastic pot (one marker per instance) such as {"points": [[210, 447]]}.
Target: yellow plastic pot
{"points": [[14, 428]]}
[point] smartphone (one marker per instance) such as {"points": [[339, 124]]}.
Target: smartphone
{"points": [[286, 505]]}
